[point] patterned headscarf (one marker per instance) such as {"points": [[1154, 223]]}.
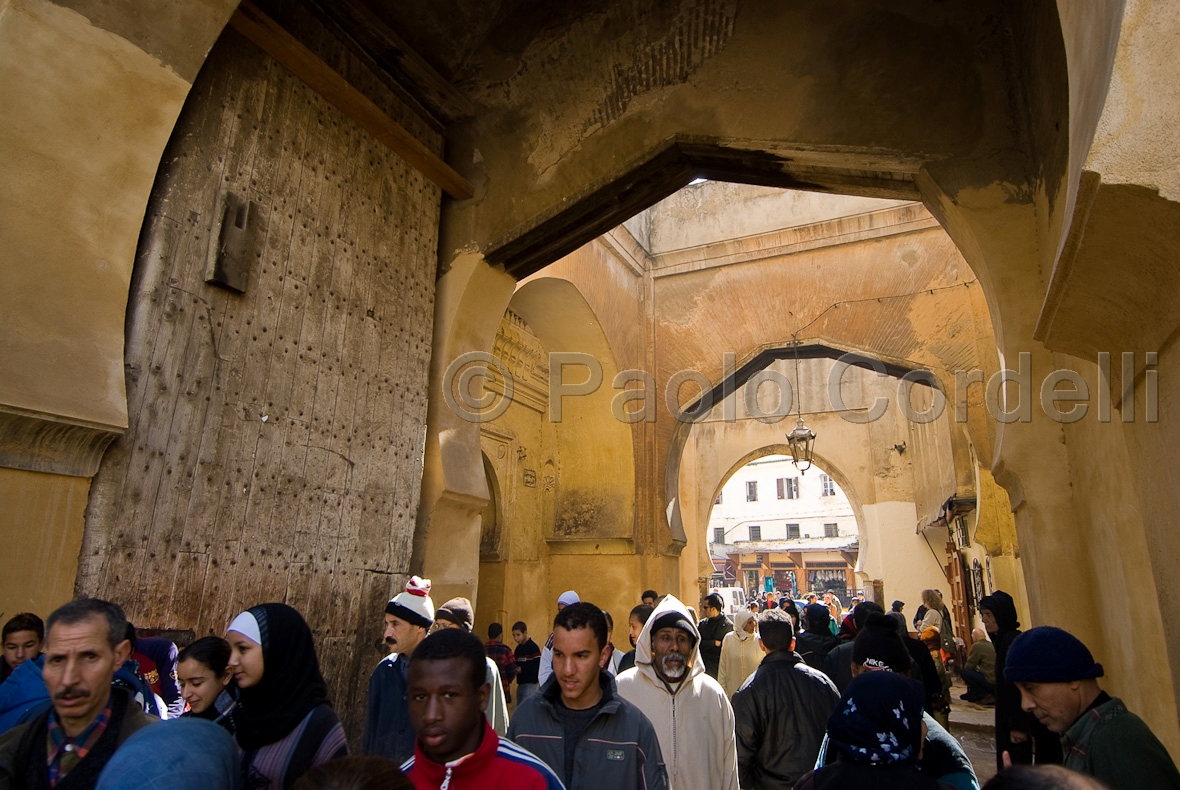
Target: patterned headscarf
{"points": [[878, 720]]}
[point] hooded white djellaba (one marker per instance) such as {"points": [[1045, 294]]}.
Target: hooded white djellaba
{"points": [[740, 655], [692, 718]]}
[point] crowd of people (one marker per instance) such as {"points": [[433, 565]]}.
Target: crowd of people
{"points": [[785, 697]]}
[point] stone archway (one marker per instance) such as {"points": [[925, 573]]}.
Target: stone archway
{"points": [[1001, 193], [882, 483], [820, 466], [566, 463]]}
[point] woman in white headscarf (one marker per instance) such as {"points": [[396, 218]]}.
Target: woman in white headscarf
{"points": [[740, 653], [285, 724]]}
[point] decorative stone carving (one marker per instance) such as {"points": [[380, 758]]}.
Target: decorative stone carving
{"points": [[528, 364]]}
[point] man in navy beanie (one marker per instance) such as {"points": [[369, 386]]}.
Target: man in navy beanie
{"points": [[1058, 682]]}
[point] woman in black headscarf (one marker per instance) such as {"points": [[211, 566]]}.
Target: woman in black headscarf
{"points": [[877, 733], [285, 723], [1016, 731]]}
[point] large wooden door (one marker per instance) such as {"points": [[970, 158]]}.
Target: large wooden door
{"points": [[958, 604]]}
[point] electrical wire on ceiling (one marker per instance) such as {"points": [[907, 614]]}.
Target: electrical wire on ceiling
{"points": [[835, 305]]}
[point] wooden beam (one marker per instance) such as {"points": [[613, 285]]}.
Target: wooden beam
{"points": [[370, 35], [268, 36], [585, 217]]}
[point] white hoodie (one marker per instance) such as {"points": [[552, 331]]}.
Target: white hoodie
{"points": [[694, 722]]}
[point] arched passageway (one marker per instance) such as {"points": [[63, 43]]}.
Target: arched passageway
{"points": [[778, 529], [564, 465], [987, 113], [894, 558]]}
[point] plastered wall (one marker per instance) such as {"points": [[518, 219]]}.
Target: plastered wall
{"points": [[74, 191], [44, 556], [1118, 566], [84, 116]]}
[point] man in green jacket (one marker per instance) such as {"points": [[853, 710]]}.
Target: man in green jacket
{"points": [[1057, 678], [979, 673]]}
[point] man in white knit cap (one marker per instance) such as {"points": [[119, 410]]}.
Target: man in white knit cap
{"points": [[567, 598], [408, 616]]}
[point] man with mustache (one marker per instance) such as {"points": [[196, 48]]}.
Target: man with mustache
{"points": [[408, 617], [68, 745], [690, 711]]}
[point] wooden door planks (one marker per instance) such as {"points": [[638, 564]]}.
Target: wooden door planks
{"points": [[204, 508], [303, 63]]}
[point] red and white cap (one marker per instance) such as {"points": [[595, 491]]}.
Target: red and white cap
{"points": [[414, 605]]}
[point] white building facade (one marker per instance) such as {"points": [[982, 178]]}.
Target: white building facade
{"points": [[769, 499]]}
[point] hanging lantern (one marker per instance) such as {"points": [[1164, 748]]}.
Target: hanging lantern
{"points": [[802, 439], [802, 443]]}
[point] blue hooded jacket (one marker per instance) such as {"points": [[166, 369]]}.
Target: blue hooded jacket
{"points": [[23, 694], [185, 754]]}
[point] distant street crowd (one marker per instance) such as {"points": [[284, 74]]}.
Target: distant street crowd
{"points": [[779, 695]]}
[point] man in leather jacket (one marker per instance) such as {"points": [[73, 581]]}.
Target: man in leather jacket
{"points": [[781, 711], [713, 629]]}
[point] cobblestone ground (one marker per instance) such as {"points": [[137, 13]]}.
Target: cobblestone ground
{"points": [[981, 750], [973, 725]]}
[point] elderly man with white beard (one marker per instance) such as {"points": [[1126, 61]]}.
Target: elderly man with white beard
{"points": [[690, 711]]}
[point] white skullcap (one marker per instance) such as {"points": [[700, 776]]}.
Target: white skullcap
{"points": [[569, 597]]}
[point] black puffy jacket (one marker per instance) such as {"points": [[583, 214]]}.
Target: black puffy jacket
{"points": [[780, 715], [814, 646]]}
